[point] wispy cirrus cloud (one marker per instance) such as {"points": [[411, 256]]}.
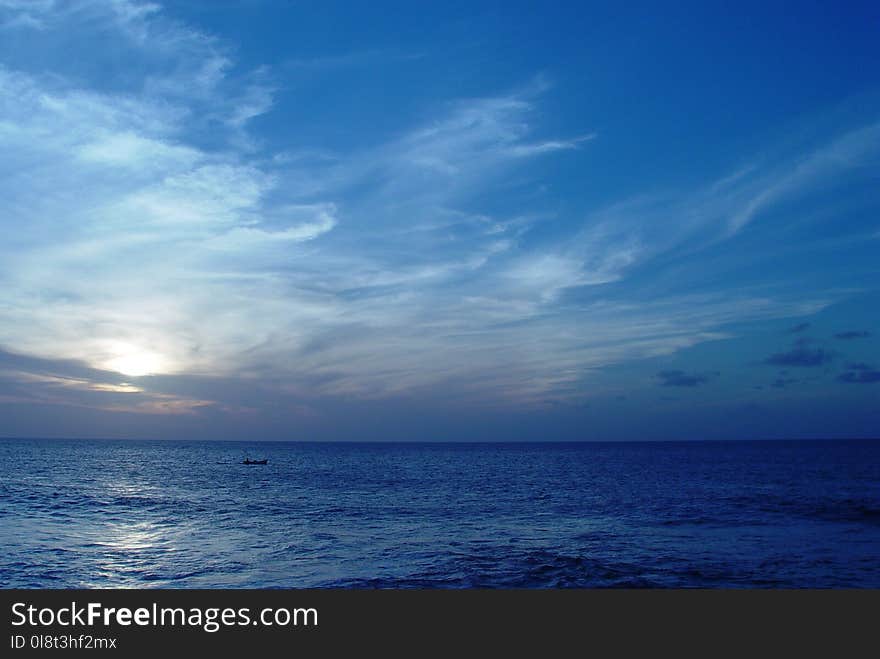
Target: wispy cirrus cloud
{"points": [[680, 224], [149, 226]]}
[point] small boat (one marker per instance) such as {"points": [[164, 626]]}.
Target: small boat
{"points": [[248, 461]]}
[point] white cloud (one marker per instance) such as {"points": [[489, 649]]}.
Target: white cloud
{"points": [[127, 149], [251, 237], [550, 146]]}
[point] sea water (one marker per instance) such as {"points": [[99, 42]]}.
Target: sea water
{"points": [[189, 514]]}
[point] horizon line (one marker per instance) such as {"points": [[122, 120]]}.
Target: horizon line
{"points": [[452, 441]]}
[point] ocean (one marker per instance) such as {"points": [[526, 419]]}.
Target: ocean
{"points": [[167, 514]]}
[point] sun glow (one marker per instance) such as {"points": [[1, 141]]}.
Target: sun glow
{"points": [[134, 362]]}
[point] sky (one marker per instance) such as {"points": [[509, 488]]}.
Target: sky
{"points": [[458, 221]]}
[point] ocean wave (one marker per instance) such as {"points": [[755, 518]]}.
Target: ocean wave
{"points": [[378, 516]]}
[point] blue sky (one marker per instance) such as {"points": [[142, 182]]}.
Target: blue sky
{"points": [[457, 221]]}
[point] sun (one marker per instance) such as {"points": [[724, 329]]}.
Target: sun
{"points": [[134, 362]]}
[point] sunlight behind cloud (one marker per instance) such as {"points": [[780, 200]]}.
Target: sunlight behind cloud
{"points": [[135, 362]]}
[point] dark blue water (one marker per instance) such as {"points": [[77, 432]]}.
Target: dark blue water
{"points": [[188, 514]]}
